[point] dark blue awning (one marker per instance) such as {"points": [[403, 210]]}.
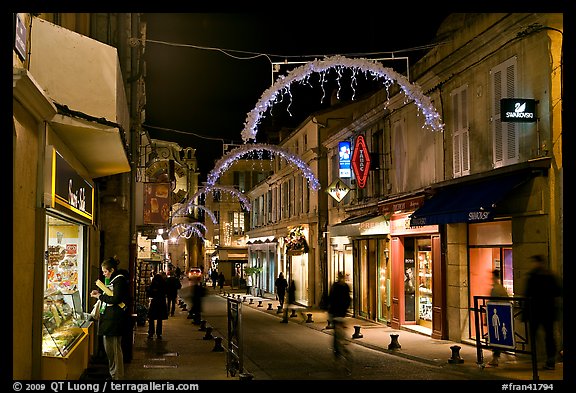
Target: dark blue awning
{"points": [[470, 202]]}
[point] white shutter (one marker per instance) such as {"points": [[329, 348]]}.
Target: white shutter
{"points": [[504, 134], [460, 132]]}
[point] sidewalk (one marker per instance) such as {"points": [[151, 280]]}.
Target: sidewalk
{"points": [[206, 360], [413, 345]]}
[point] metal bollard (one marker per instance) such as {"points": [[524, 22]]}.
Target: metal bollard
{"points": [[202, 326], [309, 320], [238, 297], [279, 311], [244, 298], [208, 335], [269, 306], [357, 333], [394, 344], [455, 359], [251, 301], [259, 303], [218, 345], [293, 313]]}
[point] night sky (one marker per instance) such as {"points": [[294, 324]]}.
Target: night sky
{"points": [[200, 98]]}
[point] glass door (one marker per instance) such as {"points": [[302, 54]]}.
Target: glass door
{"points": [[424, 287]]}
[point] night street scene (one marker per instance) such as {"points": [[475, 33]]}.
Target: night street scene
{"points": [[334, 200]]}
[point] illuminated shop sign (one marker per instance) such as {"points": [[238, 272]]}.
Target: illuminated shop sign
{"points": [[344, 155], [71, 193], [519, 110], [361, 161], [338, 190]]}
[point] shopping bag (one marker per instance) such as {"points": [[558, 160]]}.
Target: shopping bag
{"points": [[95, 313]]}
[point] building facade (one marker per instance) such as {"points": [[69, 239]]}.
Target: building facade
{"points": [[72, 132]]}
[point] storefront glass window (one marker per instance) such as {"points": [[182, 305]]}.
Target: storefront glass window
{"points": [[64, 256]]}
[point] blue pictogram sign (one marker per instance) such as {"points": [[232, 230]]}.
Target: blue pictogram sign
{"points": [[500, 321]]}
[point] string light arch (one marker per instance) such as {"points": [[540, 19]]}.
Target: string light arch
{"points": [[338, 63]]}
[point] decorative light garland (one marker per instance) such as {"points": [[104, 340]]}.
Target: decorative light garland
{"points": [[223, 164], [186, 230], [369, 67], [230, 190], [187, 209]]}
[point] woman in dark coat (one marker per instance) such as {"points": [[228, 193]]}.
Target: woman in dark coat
{"points": [[112, 320], [158, 310]]}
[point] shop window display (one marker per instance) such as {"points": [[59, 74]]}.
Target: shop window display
{"points": [[62, 321]]}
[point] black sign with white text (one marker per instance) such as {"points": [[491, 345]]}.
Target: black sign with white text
{"points": [[519, 110]]}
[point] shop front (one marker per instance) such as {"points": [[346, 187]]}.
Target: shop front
{"points": [[360, 249], [417, 300], [262, 252], [231, 261], [297, 257], [480, 219], [68, 336]]}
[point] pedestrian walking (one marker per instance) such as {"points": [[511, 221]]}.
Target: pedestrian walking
{"points": [[214, 278], [158, 308], [221, 281], [543, 290], [197, 293], [281, 285], [248, 284], [338, 303], [173, 284], [497, 290], [113, 315]]}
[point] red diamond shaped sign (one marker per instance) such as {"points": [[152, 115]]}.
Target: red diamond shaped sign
{"points": [[360, 161]]}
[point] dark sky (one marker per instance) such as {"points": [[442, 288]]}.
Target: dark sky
{"points": [[198, 96]]}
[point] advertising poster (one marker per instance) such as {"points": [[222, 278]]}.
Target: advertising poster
{"points": [[156, 203]]}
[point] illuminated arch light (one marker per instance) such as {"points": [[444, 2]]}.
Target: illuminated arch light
{"points": [[373, 68], [187, 230], [187, 209], [230, 190], [223, 164]]}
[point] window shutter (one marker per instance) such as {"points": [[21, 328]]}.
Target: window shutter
{"points": [[504, 134], [460, 138]]}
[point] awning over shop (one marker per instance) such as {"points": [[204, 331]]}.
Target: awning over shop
{"points": [[469, 202], [231, 253], [369, 224], [262, 240]]}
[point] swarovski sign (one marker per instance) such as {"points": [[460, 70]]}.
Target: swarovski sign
{"points": [[518, 110]]}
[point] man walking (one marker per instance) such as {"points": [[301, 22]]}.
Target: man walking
{"points": [[543, 289]]}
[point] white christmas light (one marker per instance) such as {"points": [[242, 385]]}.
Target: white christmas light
{"points": [[228, 189], [369, 67], [223, 164]]}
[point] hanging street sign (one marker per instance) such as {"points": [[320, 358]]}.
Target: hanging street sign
{"points": [[361, 161], [338, 190], [518, 110], [344, 159]]}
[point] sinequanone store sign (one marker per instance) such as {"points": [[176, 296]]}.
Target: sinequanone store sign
{"points": [[520, 110], [71, 193]]}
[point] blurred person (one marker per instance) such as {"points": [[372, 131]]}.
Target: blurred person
{"points": [[248, 284], [197, 294], [281, 285], [497, 290], [113, 318], [214, 278], [221, 281], [173, 284], [543, 289], [338, 303], [158, 309]]}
